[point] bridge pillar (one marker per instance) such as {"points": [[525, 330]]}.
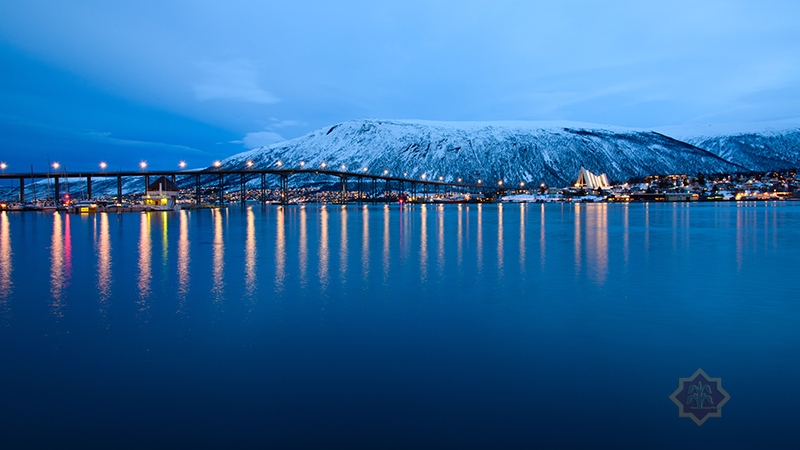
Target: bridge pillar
{"points": [[88, 188], [56, 190], [263, 188], [284, 189], [146, 183], [119, 188], [344, 189], [21, 189]]}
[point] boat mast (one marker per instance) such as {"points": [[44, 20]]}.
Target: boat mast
{"points": [[33, 182]]}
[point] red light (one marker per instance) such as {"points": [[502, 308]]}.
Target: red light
{"points": [[66, 196]]}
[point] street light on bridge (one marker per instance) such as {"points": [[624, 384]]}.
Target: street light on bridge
{"points": [[459, 180], [365, 169], [500, 183], [279, 163], [249, 163], [143, 164], [324, 165], [385, 172], [479, 181], [423, 176], [302, 163], [217, 164], [182, 164]]}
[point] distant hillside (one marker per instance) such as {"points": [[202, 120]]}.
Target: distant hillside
{"points": [[757, 151], [532, 152]]}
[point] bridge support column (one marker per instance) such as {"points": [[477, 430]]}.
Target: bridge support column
{"points": [[21, 189], [119, 189], [56, 190], [146, 183], [263, 188], [88, 188], [284, 189]]}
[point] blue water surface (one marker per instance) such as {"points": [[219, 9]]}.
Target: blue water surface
{"points": [[454, 326]]}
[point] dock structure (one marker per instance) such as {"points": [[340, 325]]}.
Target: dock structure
{"points": [[367, 185]]}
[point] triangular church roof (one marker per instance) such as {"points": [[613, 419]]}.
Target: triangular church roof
{"points": [[163, 184]]}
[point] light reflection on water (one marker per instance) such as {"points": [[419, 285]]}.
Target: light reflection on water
{"points": [[250, 250], [184, 260], [103, 244], [145, 265], [756, 231], [280, 250], [218, 246], [324, 251], [60, 262], [6, 285]]}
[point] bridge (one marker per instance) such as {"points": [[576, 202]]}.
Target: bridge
{"points": [[243, 176]]}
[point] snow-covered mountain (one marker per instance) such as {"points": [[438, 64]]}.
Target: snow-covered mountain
{"points": [[533, 152], [761, 152]]}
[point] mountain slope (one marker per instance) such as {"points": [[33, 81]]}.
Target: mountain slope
{"points": [[760, 152], [509, 151]]}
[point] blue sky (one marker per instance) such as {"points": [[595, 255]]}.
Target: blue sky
{"points": [[165, 81]]}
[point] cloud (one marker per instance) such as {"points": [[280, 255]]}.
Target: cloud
{"points": [[286, 123], [260, 138], [232, 80]]}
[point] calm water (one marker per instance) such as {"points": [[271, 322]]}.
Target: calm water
{"points": [[522, 326]]}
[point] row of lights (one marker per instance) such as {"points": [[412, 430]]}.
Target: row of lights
{"points": [[182, 164]]}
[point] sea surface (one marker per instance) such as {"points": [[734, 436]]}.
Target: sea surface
{"points": [[456, 326]]}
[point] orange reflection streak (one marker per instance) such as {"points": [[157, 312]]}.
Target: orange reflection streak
{"points": [[280, 251], [597, 241], [6, 285], [440, 240], [479, 240], [104, 262], [423, 245], [500, 250], [385, 243], [323, 248], [542, 243], [523, 208], [365, 242], [303, 257], [218, 286], [740, 237], [625, 236], [460, 236], [577, 238], [60, 262], [164, 241], [145, 261], [183, 260], [343, 245], [647, 230]]}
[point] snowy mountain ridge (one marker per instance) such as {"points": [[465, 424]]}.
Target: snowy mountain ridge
{"points": [[530, 152]]}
